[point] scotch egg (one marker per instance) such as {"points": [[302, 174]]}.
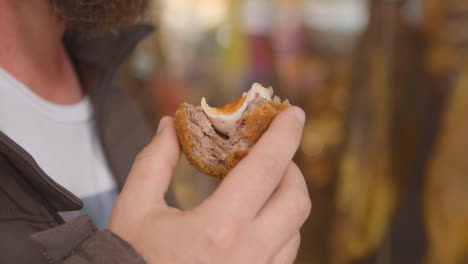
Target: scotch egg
{"points": [[214, 140]]}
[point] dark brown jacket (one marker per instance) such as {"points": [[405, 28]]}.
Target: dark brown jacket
{"points": [[31, 231]]}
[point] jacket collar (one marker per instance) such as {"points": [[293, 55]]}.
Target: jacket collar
{"points": [[96, 60], [120, 128]]}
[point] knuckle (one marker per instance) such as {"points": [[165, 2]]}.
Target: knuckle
{"points": [[302, 201], [220, 237], [271, 166], [151, 157], [292, 248], [295, 169], [302, 204], [261, 250], [263, 253], [146, 154], [289, 251], [141, 157], [297, 240], [147, 164]]}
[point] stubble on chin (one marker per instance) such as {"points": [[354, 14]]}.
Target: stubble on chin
{"points": [[94, 15]]}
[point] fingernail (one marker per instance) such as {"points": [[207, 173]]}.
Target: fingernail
{"points": [[162, 125], [300, 115]]}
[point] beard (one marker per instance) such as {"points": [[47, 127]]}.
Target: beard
{"points": [[93, 15]]}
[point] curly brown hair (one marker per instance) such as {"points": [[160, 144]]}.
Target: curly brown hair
{"points": [[91, 15]]}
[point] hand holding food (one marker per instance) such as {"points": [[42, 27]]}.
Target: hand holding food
{"points": [[254, 216]]}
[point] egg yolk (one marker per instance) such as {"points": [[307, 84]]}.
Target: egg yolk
{"points": [[228, 109]]}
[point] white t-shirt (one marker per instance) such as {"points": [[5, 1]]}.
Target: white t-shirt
{"points": [[63, 142]]}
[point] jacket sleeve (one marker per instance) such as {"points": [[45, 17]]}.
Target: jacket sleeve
{"points": [[79, 242]]}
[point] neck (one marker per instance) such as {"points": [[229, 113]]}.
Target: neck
{"points": [[33, 52]]}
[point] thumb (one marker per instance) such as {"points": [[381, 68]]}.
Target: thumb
{"points": [[151, 173]]}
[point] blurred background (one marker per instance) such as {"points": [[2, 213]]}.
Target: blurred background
{"points": [[384, 84]]}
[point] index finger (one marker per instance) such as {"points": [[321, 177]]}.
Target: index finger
{"points": [[151, 173], [249, 185]]}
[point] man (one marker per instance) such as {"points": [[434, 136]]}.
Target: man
{"points": [[66, 128]]}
